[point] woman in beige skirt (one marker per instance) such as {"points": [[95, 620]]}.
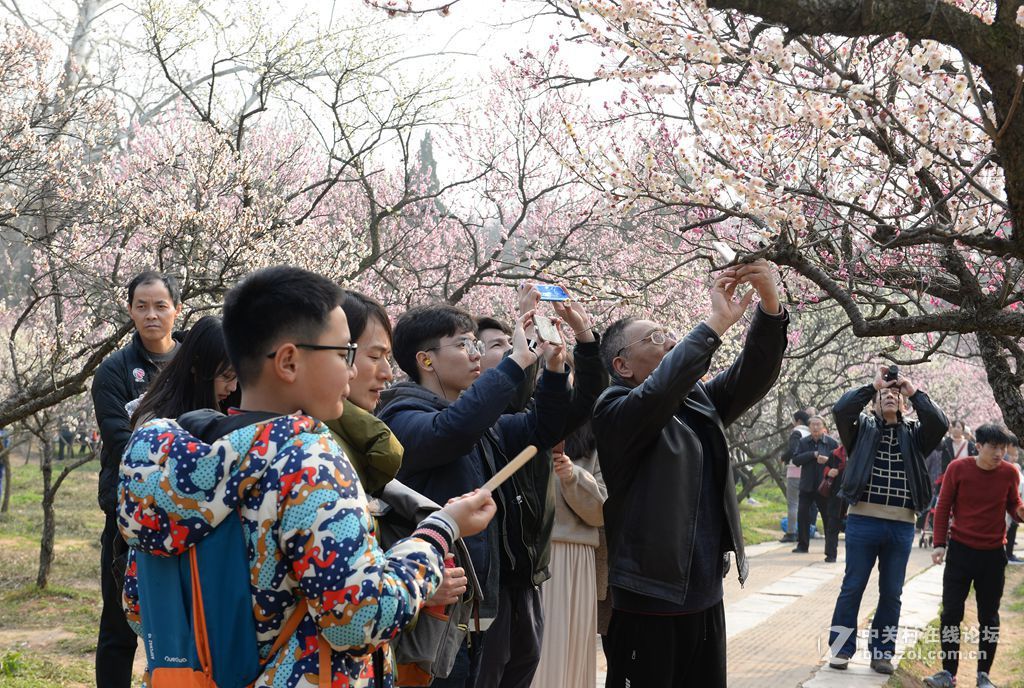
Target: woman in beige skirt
{"points": [[568, 657]]}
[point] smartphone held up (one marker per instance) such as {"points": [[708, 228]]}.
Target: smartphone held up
{"points": [[546, 330], [552, 292]]}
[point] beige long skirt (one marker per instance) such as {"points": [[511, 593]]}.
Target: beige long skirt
{"points": [[568, 657]]}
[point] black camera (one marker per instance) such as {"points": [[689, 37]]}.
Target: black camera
{"points": [[892, 374]]}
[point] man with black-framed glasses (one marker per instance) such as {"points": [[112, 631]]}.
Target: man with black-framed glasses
{"points": [[671, 515]]}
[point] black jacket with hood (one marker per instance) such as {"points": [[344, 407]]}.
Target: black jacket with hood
{"points": [[122, 377], [651, 459], [453, 447], [861, 433]]}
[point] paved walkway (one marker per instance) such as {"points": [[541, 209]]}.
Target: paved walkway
{"points": [[777, 624]]}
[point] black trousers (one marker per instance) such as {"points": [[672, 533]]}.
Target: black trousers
{"points": [[829, 510], [115, 647], [1011, 538], [987, 570], [651, 651], [511, 646]]}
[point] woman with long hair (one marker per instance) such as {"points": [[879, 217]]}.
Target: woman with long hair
{"points": [[199, 376]]}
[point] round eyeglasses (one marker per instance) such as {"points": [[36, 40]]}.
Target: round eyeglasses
{"points": [[467, 344]]}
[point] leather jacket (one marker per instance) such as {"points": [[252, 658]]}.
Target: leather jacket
{"points": [[651, 459], [861, 432]]}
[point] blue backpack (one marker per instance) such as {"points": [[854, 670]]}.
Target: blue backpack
{"points": [[197, 624]]}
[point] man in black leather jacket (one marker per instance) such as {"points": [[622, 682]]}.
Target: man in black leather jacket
{"points": [[671, 514], [886, 484]]}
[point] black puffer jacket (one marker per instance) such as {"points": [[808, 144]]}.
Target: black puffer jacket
{"points": [[861, 432], [651, 459], [122, 377]]}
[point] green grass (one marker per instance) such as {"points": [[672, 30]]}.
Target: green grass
{"points": [[761, 522], [48, 637]]}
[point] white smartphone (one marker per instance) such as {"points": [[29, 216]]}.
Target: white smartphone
{"points": [[724, 250], [546, 329]]}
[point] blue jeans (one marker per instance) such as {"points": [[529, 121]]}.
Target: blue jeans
{"points": [[868, 539]]}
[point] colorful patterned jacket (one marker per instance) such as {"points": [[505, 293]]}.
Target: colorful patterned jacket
{"points": [[309, 536]]}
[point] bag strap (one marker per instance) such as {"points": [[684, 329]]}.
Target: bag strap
{"points": [[199, 618], [963, 448], [291, 625]]}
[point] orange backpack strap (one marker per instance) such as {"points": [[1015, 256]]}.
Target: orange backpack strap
{"points": [[288, 630], [199, 618], [325, 663]]}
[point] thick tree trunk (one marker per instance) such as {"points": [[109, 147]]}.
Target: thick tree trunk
{"points": [[1006, 386]]}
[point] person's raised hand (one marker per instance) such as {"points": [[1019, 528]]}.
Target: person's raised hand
{"points": [[822, 459], [906, 387], [761, 276], [453, 586], [576, 317], [553, 354], [726, 310], [563, 466], [833, 472], [522, 354], [472, 511], [529, 297], [880, 382], [938, 554]]}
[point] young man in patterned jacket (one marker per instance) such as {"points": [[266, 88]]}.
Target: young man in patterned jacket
{"points": [[312, 544]]}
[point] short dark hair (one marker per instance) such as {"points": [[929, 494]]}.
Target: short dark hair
{"points": [[990, 433], [150, 277], [421, 328], [186, 382], [802, 417], [1014, 440], [957, 421], [488, 323], [359, 308], [271, 304], [613, 340]]}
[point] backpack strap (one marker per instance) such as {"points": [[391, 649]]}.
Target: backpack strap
{"points": [[325, 662], [288, 630], [199, 618]]}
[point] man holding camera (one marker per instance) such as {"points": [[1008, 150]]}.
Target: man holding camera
{"points": [[886, 483], [671, 516]]}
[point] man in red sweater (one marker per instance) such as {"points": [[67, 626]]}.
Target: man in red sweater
{"points": [[976, 492]]}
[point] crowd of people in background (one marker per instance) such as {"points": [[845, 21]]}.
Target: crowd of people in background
{"points": [[286, 411], [894, 490]]}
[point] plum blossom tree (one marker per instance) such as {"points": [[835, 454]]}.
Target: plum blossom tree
{"points": [[873, 148]]}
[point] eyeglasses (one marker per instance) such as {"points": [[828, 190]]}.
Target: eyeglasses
{"points": [[657, 338], [349, 349], [467, 344]]}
